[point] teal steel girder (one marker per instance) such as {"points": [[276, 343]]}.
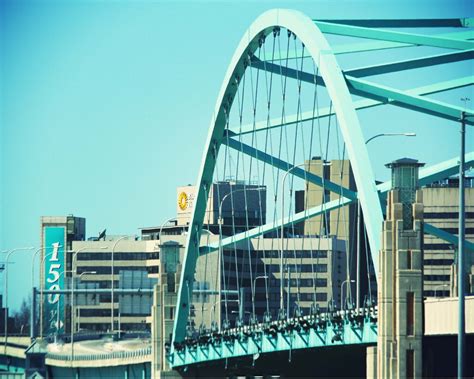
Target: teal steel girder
{"points": [[285, 166], [448, 237], [404, 23], [263, 229], [361, 47], [394, 36], [360, 104], [316, 44], [253, 343], [403, 99], [378, 92], [427, 175], [409, 64]]}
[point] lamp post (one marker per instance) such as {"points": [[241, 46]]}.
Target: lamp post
{"points": [[440, 286], [254, 290], [9, 253], [407, 134], [220, 221], [461, 240], [342, 287], [32, 327], [282, 303], [112, 284], [163, 225], [213, 308]]}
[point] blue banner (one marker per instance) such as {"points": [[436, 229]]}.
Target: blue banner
{"points": [[54, 240]]}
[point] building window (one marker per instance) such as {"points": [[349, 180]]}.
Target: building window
{"points": [[410, 364], [410, 313]]}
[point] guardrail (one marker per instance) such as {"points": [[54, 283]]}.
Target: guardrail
{"points": [[112, 355]]}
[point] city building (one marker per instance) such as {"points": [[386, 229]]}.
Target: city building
{"points": [[71, 263], [441, 201], [131, 273], [314, 268]]}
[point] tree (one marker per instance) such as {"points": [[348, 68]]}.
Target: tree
{"points": [[22, 317]]}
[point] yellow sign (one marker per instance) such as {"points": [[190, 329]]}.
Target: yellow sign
{"points": [[183, 201]]}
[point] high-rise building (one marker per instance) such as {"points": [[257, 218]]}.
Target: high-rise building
{"points": [[132, 284], [441, 201], [70, 262]]}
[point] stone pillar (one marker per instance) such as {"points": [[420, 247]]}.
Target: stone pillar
{"points": [[163, 309], [371, 362], [400, 299]]}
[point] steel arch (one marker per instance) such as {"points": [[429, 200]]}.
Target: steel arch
{"points": [[316, 44]]}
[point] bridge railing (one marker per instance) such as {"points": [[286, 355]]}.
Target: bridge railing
{"points": [[356, 326], [102, 356]]}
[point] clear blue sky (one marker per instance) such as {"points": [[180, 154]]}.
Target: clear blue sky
{"points": [[105, 106]]}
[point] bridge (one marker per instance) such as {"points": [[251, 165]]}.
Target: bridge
{"points": [[284, 100], [298, 277]]}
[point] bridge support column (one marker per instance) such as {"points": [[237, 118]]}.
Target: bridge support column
{"points": [[400, 300], [371, 362], [164, 309]]}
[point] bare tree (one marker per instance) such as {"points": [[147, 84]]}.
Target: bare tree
{"points": [[22, 317]]}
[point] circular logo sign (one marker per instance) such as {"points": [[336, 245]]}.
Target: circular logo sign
{"points": [[183, 201]]}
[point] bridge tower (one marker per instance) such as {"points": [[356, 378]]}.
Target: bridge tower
{"points": [[400, 331]]}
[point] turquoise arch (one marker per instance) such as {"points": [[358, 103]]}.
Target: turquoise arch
{"points": [[317, 46]]}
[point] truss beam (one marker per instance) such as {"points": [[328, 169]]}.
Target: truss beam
{"points": [[427, 175], [393, 36], [401, 23], [409, 64], [406, 100], [358, 105], [260, 230], [285, 166], [251, 342]]}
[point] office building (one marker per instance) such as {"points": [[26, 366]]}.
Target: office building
{"points": [[441, 201], [70, 261]]}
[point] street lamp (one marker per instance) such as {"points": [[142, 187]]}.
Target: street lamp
{"points": [[220, 221], [163, 225], [440, 286], [342, 285], [254, 290], [407, 134], [213, 308], [73, 312], [32, 328], [112, 285], [322, 163], [9, 253]]}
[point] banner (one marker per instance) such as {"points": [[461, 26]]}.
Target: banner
{"points": [[54, 241]]}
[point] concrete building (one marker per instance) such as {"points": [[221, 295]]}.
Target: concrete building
{"points": [[340, 223], [131, 270], [67, 254], [229, 198], [441, 201]]}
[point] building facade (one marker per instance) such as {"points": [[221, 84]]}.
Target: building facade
{"points": [[441, 201]]}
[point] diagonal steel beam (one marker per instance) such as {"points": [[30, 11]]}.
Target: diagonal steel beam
{"points": [[448, 237], [361, 47], [404, 23], [393, 36], [404, 99], [361, 104], [409, 64], [377, 92], [260, 230], [285, 166], [427, 175]]}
